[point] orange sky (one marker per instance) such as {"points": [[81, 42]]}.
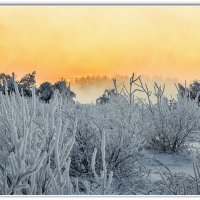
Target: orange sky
{"points": [[67, 41]]}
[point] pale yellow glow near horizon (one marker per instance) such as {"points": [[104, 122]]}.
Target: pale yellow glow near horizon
{"points": [[68, 41]]}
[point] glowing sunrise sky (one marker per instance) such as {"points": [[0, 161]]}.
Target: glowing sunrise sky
{"points": [[68, 41]]}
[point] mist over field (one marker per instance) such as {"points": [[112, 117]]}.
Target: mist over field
{"points": [[89, 88]]}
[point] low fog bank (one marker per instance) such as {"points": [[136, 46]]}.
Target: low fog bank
{"points": [[89, 88]]}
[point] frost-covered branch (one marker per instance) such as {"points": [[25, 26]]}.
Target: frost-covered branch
{"points": [[104, 180]]}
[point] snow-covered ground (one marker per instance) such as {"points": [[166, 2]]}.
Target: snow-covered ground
{"points": [[175, 162]]}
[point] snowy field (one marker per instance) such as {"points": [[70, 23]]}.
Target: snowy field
{"points": [[121, 145]]}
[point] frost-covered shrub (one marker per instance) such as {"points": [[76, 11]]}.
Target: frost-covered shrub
{"points": [[87, 138], [125, 146], [167, 125], [34, 147], [124, 143], [170, 129]]}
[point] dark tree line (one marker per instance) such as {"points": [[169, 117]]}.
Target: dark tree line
{"points": [[45, 91], [192, 92], [106, 96]]}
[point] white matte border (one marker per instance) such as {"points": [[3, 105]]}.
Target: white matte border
{"points": [[162, 2]]}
